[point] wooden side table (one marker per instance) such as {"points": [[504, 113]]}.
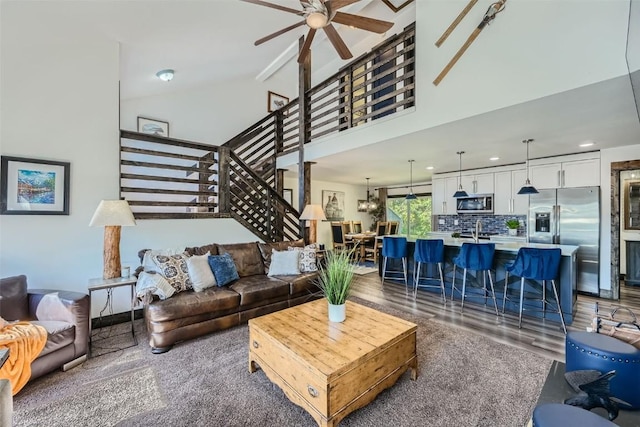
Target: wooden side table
{"points": [[100, 284]]}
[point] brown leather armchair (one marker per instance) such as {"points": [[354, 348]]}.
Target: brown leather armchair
{"points": [[64, 314]]}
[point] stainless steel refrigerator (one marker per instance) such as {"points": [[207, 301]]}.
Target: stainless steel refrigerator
{"points": [[570, 216]]}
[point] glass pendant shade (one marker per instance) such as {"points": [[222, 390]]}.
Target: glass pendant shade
{"points": [[411, 196], [460, 192], [367, 204], [527, 188]]}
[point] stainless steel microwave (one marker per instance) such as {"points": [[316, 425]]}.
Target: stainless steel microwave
{"points": [[475, 203]]}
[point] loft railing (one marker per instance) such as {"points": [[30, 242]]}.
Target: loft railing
{"points": [[171, 178], [378, 83]]}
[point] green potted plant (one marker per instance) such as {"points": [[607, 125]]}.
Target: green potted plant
{"points": [[512, 226], [335, 279]]}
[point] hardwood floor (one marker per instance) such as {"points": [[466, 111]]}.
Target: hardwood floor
{"points": [[537, 335]]}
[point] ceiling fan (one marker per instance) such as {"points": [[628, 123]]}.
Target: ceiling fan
{"points": [[321, 14]]}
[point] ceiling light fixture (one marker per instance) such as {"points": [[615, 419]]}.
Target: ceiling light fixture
{"points": [[429, 168], [165, 75], [527, 188], [460, 192], [411, 196], [493, 159], [368, 204], [587, 144], [317, 20]]}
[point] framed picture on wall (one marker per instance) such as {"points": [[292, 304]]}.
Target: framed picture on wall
{"points": [[34, 187], [275, 101], [333, 205], [152, 126]]}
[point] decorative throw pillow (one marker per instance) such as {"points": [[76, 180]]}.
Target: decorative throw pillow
{"points": [[307, 258], [200, 272], [224, 269], [148, 263], [174, 269], [284, 263], [155, 284]]}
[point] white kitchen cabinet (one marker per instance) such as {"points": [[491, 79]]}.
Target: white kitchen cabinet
{"points": [[506, 200], [478, 183], [569, 174], [442, 191]]}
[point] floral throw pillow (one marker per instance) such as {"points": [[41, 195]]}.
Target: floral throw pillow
{"points": [[174, 269], [307, 258]]}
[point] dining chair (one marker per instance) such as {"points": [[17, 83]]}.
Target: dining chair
{"points": [[428, 251], [535, 264], [478, 257], [393, 227], [347, 225], [356, 227], [373, 251], [394, 248], [337, 235]]}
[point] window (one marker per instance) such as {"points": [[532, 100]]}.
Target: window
{"points": [[398, 209]]}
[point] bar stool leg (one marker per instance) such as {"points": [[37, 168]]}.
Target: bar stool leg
{"points": [[404, 270], [384, 270], [453, 283], [484, 286], [555, 293], [544, 299], [464, 286], [504, 293], [493, 292], [521, 301], [416, 277], [444, 297]]}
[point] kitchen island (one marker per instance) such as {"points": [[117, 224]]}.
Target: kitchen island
{"points": [[505, 252]]}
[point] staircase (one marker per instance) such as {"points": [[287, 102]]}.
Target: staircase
{"points": [[171, 178]]}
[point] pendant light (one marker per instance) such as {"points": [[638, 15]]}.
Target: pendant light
{"points": [[368, 204], [411, 196], [527, 188], [460, 192]]}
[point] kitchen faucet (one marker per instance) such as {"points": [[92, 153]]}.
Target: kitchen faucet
{"points": [[476, 235]]}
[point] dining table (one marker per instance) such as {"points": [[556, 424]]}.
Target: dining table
{"points": [[359, 240]]}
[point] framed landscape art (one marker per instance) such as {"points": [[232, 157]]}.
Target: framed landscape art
{"points": [[34, 187], [275, 101], [154, 127]]}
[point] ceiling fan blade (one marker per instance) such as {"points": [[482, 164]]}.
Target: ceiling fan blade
{"points": [[337, 4], [337, 42], [304, 51], [274, 6], [362, 22], [278, 33]]}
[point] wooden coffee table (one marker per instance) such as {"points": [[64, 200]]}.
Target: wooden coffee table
{"points": [[332, 369]]}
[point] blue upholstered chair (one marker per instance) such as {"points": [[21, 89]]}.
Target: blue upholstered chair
{"points": [[396, 248], [429, 251], [478, 257], [558, 414], [535, 264]]}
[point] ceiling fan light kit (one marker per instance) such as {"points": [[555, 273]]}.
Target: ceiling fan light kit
{"points": [[320, 14]]}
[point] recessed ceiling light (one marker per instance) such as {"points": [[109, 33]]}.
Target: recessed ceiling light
{"points": [[429, 168], [165, 75], [587, 144], [493, 159]]}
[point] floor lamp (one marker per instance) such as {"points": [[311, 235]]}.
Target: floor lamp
{"points": [[313, 213], [112, 214]]}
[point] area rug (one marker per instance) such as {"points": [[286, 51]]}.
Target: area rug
{"points": [[464, 380], [362, 270]]}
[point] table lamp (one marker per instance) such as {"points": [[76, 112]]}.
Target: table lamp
{"points": [[112, 214], [313, 213]]}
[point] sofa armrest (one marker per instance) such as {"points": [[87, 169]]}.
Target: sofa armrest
{"points": [[66, 306]]}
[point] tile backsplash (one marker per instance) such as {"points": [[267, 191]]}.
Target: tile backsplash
{"points": [[467, 222]]}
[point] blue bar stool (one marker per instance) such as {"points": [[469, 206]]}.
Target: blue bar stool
{"points": [[535, 264], [428, 251], [478, 257], [394, 247]]}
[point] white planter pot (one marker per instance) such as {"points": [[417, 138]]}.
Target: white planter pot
{"points": [[337, 313], [513, 232]]}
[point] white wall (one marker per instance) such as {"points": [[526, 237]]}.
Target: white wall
{"points": [[351, 195], [619, 154]]}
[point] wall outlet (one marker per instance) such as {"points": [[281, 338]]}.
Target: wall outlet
{"points": [[455, 222], [441, 222]]}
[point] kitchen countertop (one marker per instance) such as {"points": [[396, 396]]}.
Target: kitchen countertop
{"points": [[567, 250]]}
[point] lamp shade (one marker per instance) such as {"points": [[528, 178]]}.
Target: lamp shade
{"points": [[313, 212], [113, 212], [527, 188], [411, 196]]}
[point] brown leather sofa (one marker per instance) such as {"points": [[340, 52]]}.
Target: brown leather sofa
{"points": [[191, 314], [64, 314]]}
